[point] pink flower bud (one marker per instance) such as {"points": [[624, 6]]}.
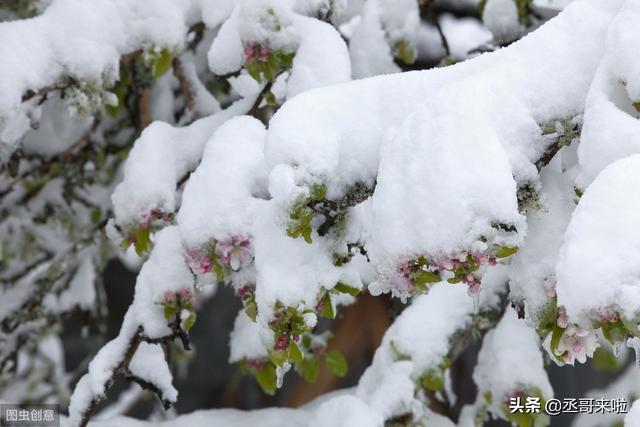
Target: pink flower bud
{"points": [[281, 344], [264, 54], [492, 261], [168, 296], [248, 51]]}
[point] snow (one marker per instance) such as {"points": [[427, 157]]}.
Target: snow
{"points": [[600, 243], [148, 363], [160, 157], [73, 38], [321, 56], [339, 142], [245, 340], [611, 123], [501, 18], [165, 270], [632, 419], [389, 383], [468, 175], [532, 272], [345, 411], [219, 200], [510, 360]]}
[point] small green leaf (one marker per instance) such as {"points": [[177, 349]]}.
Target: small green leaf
{"points": [[267, 379], [294, 352], [278, 357], [433, 380], [187, 323], [143, 240], [169, 312], [424, 277], [336, 363], [346, 289], [96, 215], [505, 251], [251, 309], [162, 63], [309, 369], [556, 335], [327, 307]]}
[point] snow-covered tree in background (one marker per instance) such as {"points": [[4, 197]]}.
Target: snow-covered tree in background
{"points": [[497, 197]]}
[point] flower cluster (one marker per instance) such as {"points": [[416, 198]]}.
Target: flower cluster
{"points": [[576, 343], [139, 235], [180, 305], [264, 63], [418, 274], [255, 52], [247, 295], [230, 254]]}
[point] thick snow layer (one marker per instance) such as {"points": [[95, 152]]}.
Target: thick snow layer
{"points": [[159, 159], [532, 272], [289, 270], [510, 361], [611, 127], [165, 270], [345, 411], [598, 266], [465, 174], [219, 199], [149, 364], [334, 134]]}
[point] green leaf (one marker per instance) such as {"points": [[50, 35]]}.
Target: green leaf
{"points": [[346, 289], [294, 352], [327, 307], [433, 380], [614, 332], [187, 323], [143, 240], [636, 105], [605, 360], [424, 277], [162, 63], [309, 369], [336, 363], [96, 215], [218, 269], [556, 335], [278, 357], [251, 309], [505, 251], [169, 312], [267, 379], [405, 52]]}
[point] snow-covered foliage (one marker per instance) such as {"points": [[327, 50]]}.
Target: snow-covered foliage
{"points": [[285, 149]]}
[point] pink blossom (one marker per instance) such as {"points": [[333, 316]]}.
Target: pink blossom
{"points": [[235, 252], [474, 288], [577, 343], [264, 54], [169, 296], [492, 261], [185, 293], [281, 344], [561, 317], [605, 315], [248, 51], [145, 220], [551, 292]]}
